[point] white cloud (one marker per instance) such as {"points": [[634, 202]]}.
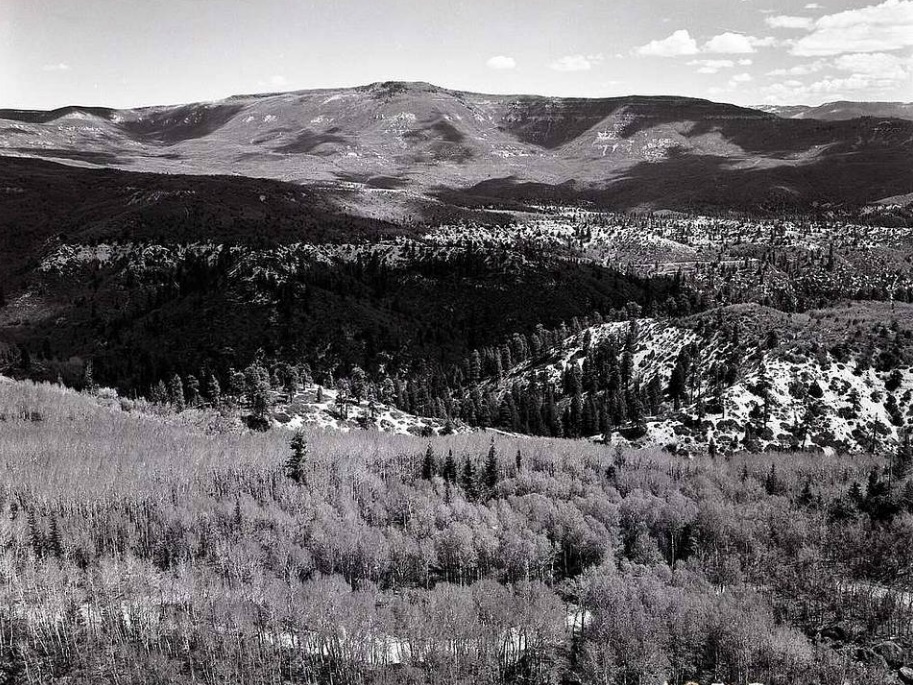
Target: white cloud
{"points": [[875, 28], [855, 86], [788, 22], [801, 69], [839, 86], [711, 66], [278, 80], [813, 6], [881, 65], [60, 66], [730, 43], [501, 62], [739, 79], [678, 44], [576, 62]]}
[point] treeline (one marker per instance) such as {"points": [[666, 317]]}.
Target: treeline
{"points": [[397, 307]]}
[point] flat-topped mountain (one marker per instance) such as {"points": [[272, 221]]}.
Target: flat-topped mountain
{"points": [[412, 140]]}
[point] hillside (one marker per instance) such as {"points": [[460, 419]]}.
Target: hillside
{"points": [[142, 548], [405, 141], [745, 378]]}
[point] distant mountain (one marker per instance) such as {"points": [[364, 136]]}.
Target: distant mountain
{"points": [[843, 110], [390, 145]]}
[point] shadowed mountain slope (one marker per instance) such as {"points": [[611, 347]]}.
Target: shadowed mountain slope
{"points": [[424, 139]]}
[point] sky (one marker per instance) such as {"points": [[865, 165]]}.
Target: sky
{"points": [[126, 53]]}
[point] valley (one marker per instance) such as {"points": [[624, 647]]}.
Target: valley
{"points": [[399, 384]]}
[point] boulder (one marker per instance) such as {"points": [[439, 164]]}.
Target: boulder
{"points": [[871, 658], [892, 653], [906, 674]]}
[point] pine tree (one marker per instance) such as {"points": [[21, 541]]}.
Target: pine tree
{"points": [[214, 391], [429, 464], [475, 367], [259, 402], [36, 536], [54, 542], [771, 482], [470, 487], [903, 463], [159, 393], [743, 476], [491, 466], [449, 472], [88, 377], [358, 384], [518, 461], [294, 467], [193, 391], [855, 494], [238, 518], [176, 393], [805, 497]]}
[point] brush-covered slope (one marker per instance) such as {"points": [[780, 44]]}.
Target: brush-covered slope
{"points": [[397, 138]]}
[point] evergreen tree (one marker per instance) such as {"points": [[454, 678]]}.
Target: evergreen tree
{"points": [[294, 466], [195, 398], [36, 535], [744, 475], [470, 487], [259, 402], [805, 498], [475, 367], [491, 466], [450, 468], [159, 393], [214, 391], [855, 494], [518, 461], [176, 393], [772, 482], [88, 377], [358, 383], [429, 464], [54, 542], [903, 462]]}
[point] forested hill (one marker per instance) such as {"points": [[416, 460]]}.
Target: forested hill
{"points": [[146, 278]]}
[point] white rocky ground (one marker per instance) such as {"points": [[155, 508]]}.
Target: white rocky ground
{"points": [[322, 407], [849, 416]]}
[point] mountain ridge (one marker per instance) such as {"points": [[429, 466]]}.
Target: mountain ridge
{"points": [[418, 141]]}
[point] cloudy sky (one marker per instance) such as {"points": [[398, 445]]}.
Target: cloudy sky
{"points": [[133, 52]]}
